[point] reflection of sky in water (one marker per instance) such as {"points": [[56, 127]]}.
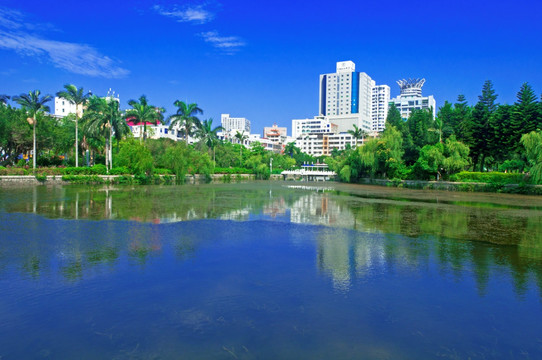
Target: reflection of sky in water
{"points": [[269, 273]]}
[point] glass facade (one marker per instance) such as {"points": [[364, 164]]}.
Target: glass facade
{"points": [[355, 93]]}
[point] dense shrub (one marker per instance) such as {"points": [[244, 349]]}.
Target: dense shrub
{"points": [[13, 171], [235, 170], [83, 179], [49, 161], [488, 177], [119, 170], [50, 171], [163, 172], [41, 177]]}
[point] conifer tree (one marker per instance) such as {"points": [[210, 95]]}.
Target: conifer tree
{"points": [[394, 118], [525, 115]]}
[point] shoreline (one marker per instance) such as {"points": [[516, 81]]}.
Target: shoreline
{"points": [[26, 180]]}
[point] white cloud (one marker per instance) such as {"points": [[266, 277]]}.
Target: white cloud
{"points": [[81, 59], [190, 13], [228, 44]]}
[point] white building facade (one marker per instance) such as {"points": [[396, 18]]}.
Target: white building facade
{"points": [[319, 136], [380, 106], [231, 124], [411, 98], [63, 107]]}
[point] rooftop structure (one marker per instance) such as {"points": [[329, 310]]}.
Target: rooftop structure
{"points": [[411, 98]]}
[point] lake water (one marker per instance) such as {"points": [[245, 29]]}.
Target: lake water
{"points": [[268, 270]]}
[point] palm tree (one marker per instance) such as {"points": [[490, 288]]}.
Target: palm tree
{"points": [[186, 117], [437, 127], [358, 133], [291, 149], [4, 99], [100, 119], [33, 103], [75, 96], [142, 112], [240, 136], [120, 129], [208, 135]]}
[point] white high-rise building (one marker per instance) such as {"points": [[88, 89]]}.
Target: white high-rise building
{"points": [[346, 97], [380, 106], [411, 98], [231, 124]]}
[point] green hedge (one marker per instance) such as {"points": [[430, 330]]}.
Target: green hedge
{"points": [[13, 171], [158, 171], [120, 170], [235, 170], [488, 177]]}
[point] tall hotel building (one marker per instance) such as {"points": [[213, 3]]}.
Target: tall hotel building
{"points": [[346, 97]]}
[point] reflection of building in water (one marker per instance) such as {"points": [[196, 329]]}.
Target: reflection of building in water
{"points": [[334, 257], [276, 207], [240, 214], [346, 254], [319, 209]]}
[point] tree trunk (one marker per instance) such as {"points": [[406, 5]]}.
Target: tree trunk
{"points": [[482, 162], [76, 140], [34, 141], [110, 148]]}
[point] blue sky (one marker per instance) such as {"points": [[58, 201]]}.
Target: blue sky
{"points": [[262, 59]]}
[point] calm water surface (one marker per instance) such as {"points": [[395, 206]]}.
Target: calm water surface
{"points": [[268, 271]]}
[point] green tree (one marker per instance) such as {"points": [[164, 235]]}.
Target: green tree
{"points": [[34, 104], [444, 122], [525, 114], [142, 113], [462, 120], [226, 155], [77, 97], [391, 154], [482, 131], [457, 156], [394, 118], [416, 134], [358, 133], [504, 145], [186, 118], [15, 134], [4, 99], [431, 161], [100, 117], [137, 157], [533, 147], [241, 137], [208, 135], [290, 149]]}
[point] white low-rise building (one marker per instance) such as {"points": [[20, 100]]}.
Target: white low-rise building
{"points": [[319, 136]]}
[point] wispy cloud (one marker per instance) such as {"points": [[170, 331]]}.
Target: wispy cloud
{"points": [[18, 35], [196, 14], [227, 44]]}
